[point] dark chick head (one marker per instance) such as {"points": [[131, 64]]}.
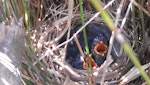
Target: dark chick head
{"points": [[98, 41]]}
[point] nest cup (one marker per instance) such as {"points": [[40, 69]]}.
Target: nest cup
{"points": [[98, 36]]}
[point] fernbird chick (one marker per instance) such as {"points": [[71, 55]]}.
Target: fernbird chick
{"points": [[98, 41]]}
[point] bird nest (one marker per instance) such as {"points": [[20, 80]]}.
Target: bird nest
{"points": [[60, 50]]}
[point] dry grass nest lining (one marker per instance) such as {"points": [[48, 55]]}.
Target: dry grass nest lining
{"points": [[45, 41], [46, 38]]}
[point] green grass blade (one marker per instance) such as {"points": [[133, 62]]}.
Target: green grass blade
{"points": [[84, 35], [125, 45]]}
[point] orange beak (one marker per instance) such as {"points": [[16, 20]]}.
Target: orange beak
{"points": [[93, 63], [100, 48]]}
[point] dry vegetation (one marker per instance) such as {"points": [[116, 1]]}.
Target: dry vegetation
{"points": [[49, 20]]}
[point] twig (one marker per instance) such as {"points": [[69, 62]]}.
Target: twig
{"points": [[79, 47], [70, 14], [75, 34], [132, 74], [142, 8], [126, 15], [108, 55]]}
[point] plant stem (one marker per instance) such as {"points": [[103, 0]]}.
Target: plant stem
{"points": [[120, 38]]}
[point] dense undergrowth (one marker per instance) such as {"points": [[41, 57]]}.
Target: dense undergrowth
{"points": [[46, 21]]}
